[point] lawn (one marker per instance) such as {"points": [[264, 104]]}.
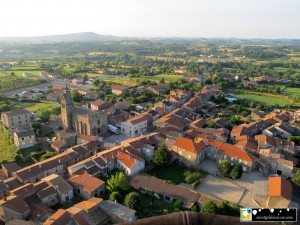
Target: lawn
{"points": [[43, 105], [173, 173], [291, 92], [268, 100], [167, 77], [151, 206], [7, 148]]}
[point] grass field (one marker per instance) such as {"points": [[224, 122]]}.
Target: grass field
{"points": [[291, 92], [174, 173], [7, 149], [43, 105], [167, 77], [268, 100]]}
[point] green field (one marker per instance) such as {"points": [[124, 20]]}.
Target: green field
{"points": [[9, 82], [43, 105], [7, 149], [291, 92], [167, 77], [267, 100]]}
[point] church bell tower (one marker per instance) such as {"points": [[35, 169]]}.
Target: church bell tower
{"points": [[67, 107]]}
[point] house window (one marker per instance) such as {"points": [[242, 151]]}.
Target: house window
{"points": [[22, 139], [180, 152], [190, 156], [225, 156], [167, 198]]}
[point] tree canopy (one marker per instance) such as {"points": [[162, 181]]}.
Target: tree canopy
{"points": [[132, 200], [162, 156], [118, 182]]}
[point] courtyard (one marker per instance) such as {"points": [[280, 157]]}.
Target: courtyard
{"points": [[221, 189]]}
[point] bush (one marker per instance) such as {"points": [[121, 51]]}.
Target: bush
{"points": [[177, 205], [224, 167], [236, 172], [209, 207], [132, 200], [48, 155], [115, 196], [193, 177], [195, 208]]}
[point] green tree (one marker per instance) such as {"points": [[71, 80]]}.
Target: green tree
{"points": [[132, 200], [118, 182], [209, 207], [44, 115], [224, 167], [77, 97], [162, 156], [177, 205], [296, 178], [193, 177], [115, 196], [56, 110], [236, 171], [85, 79], [210, 124], [48, 155]]}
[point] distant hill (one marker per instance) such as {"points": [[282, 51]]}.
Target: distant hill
{"points": [[92, 37], [75, 37]]}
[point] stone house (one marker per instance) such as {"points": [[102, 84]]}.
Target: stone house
{"points": [[62, 187], [189, 152], [13, 207], [24, 138], [86, 186], [17, 118]]}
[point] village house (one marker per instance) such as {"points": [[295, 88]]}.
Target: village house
{"points": [[218, 151], [13, 207], [249, 83], [169, 192], [24, 138], [86, 186], [99, 105], [16, 118], [57, 164], [166, 105], [122, 105], [189, 152], [9, 168], [276, 192], [62, 187], [129, 163], [119, 89], [136, 126], [257, 115], [118, 213], [264, 79]]}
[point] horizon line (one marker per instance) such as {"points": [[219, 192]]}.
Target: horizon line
{"points": [[151, 37]]}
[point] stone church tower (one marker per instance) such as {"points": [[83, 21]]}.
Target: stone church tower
{"points": [[67, 108]]}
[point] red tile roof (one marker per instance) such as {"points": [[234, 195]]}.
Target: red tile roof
{"points": [[280, 187], [189, 145], [86, 181]]}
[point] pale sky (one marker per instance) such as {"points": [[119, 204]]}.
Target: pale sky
{"points": [[152, 18]]}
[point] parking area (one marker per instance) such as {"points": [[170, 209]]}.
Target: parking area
{"points": [[221, 189], [247, 181]]}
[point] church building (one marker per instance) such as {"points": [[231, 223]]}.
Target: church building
{"points": [[82, 119]]}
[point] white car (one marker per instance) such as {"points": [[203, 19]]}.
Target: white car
{"points": [[49, 140]]}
